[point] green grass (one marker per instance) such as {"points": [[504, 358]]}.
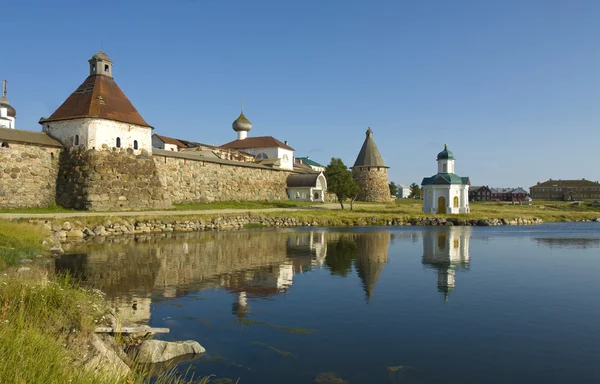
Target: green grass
{"points": [[45, 328], [242, 205], [49, 209], [19, 241]]}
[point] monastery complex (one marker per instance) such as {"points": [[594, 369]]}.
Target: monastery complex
{"points": [[96, 152]]}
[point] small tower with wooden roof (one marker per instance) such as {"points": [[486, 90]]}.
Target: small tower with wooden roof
{"points": [[371, 173], [98, 115]]}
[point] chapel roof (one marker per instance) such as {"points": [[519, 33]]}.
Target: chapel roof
{"points": [[257, 142], [445, 154], [445, 179], [98, 97], [11, 111], [369, 155]]}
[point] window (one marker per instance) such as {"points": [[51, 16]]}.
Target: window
{"points": [[445, 168], [455, 201], [262, 156], [4, 145], [285, 157], [106, 68], [94, 68], [76, 139], [118, 142], [316, 195], [297, 195], [135, 144]]}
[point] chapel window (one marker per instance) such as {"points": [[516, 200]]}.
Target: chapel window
{"points": [[455, 201], [135, 144], [76, 139], [118, 142]]}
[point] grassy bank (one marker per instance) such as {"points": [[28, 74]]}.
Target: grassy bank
{"points": [[45, 331], [19, 241]]}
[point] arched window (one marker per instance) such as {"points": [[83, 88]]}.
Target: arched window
{"points": [[297, 195], [4, 145], [285, 157], [316, 195], [118, 142], [445, 168], [262, 156], [455, 201], [135, 144], [76, 139]]}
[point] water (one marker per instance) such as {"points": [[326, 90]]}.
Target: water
{"points": [[451, 304]]}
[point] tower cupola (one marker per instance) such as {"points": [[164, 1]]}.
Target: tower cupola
{"points": [[7, 113], [101, 64], [242, 125], [445, 161]]}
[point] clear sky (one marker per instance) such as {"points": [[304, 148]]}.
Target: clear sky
{"points": [[513, 87]]}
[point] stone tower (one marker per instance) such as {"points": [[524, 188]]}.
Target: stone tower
{"points": [[371, 173]]}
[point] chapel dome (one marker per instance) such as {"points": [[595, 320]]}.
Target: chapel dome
{"points": [[241, 124], [445, 154], [11, 112]]}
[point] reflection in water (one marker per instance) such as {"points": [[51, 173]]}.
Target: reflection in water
{"points": [[447, 250], [565, 242]]}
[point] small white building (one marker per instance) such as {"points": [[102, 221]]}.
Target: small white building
{"points": [[98, 115], [446, 192], [8, 114], [167, 143], [403, 191], [311, 163], [307, 187], [261, 147]]}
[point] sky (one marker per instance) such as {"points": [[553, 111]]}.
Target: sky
{"points": [[512, 86]]}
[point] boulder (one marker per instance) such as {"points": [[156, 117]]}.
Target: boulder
{"points": [[156, 351], [75, 234]]}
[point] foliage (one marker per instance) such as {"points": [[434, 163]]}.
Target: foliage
{"points": [[340, 255], [393, 189], [340, 181], [415, 191]]}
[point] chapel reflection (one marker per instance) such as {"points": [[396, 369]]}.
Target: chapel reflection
{"points": [[447, 250]]}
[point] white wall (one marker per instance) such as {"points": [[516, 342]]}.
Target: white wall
{"points": [[158, 143], [94, 133], [6, 121], [433, 192], [275, 153], [449, 166]]}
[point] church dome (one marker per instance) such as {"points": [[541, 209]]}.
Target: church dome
{"points": [[11, 112], [101, 56], [241, 124], [445, 154]]}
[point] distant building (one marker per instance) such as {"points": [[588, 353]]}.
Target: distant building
{"points": [[7, 113], [567, 190], [403, 191], [267, 149], [446, 192], [311, 163], [480, 193], [509, 194]]}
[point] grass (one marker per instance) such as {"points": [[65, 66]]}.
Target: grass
{"points": [[19, 241], [45, 328], [242, 205], [49, 209]]}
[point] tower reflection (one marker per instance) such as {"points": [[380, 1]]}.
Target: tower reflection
{"points": [[447, 250]]}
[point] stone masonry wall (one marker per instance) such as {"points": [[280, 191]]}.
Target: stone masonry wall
{"points": [[373, 184], [188, 180], [28, 175], [109, 180]]}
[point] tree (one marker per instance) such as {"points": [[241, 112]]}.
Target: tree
{"points": [[415, 191], [340, 255], [340, 181], [393, 189]]}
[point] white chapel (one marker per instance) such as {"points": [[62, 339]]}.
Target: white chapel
{"points": [[446, 192]]}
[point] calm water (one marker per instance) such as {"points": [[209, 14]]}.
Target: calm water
{"points": [[452, 305]]}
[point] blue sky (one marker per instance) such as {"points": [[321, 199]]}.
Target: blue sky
{"points": [[513, 87]]}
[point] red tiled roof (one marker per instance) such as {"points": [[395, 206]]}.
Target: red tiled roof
{"points": [[98, 96], [170, 140], [257, 142]]}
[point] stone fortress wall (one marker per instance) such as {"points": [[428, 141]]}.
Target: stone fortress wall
{"points": [[33, 175], [27, 174]]}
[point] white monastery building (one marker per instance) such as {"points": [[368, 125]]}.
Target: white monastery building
{"points": [[307, 187], [7, 113], [446, 192], [266, 149], [98, 115]]}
